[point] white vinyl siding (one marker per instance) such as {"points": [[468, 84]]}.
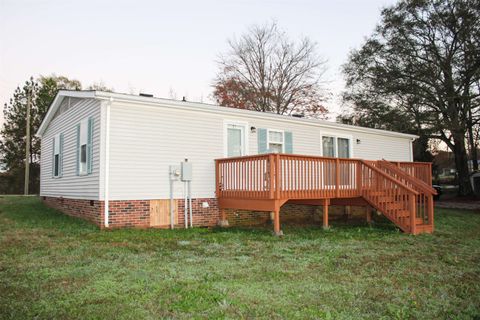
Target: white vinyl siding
{"points": [[70, 185], [146, 140]]}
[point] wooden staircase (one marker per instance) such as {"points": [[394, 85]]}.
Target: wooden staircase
{"points": [[402, 198]]}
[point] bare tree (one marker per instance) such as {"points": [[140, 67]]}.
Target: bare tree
{"points": [[100, 86], [266, 71]]}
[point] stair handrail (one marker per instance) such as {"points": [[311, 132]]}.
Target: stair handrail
{"points": [[385, 175], [414, 181], [411, 200]]}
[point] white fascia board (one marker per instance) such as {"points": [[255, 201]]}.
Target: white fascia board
{"points": [[203, 107], [56, 104]]}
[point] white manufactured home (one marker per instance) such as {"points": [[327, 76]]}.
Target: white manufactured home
{"points": [[123, 160]]}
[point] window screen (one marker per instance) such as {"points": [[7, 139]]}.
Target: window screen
{"points": [[275, 139], [328, 146], [343, 148], [56, 155], [83, 146], [234, 141]]}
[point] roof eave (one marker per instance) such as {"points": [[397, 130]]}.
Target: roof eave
{"points": [[56, 103]]}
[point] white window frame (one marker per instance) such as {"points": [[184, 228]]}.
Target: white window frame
{"points": [[245, 145], [56, 140], [83, 171], [335, 147], [268, 139]]}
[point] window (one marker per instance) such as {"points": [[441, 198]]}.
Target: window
{"points": [[84, 146], [275, 141], [343, 148], [235, 139], [333, 146], [328, 146], [57, 158]]}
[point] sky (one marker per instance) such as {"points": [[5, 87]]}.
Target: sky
{"points": [[160, 47]]}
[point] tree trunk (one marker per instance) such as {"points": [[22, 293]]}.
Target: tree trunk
{"points": [[461, 164], [473, 149], [471, 140]]}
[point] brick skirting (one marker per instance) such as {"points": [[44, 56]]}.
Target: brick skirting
{"points": [[136, 213], [90, 210]]}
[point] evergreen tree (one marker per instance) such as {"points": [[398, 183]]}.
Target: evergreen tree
{"points": [[41, 92]]}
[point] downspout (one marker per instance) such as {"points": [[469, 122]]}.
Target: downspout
{"points": [[411, 149], [107, 162]]}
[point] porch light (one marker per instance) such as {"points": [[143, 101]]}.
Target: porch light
{"points": [[253, 129], [359, 141]]}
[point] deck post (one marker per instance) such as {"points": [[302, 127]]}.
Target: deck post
{"points": [[430, 209], [368, 212], [223, 222], [326, 202], [276, 220], [413, 214]]}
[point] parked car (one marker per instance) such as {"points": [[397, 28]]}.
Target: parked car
{"points": [[439, 191]]}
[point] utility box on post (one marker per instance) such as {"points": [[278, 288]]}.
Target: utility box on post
{"points": [[186, 170]]}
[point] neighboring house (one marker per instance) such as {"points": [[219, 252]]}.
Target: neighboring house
{"points": [[470, 165], [107, 157]]}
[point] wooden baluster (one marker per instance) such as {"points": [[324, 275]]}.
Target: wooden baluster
{"points": [[277, 176], [337, 177], [271, 163]]}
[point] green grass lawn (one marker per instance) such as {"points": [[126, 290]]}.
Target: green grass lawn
{"points": [[54, 266]]}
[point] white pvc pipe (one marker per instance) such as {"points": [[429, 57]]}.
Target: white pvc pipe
{"points": [[186, 204], [190, 202], [172, 218], [107, 164]]}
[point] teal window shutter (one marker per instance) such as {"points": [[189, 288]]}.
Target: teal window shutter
{"points": [[78, 150], [60, 157], [262, 140], [53, 157], [288, 136], [90, 146]]}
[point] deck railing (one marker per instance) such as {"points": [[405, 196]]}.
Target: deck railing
{"points": [[287, 176], [271, 176]]}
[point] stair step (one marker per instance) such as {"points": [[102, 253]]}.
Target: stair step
{"points": [[402, 213], [395, 205], [419, 221], [376, 193], [386, 199]]}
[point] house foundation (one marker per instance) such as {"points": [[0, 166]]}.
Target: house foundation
{"points": [[205, 212]]}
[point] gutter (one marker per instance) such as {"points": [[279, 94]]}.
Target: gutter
{"points": [[107, 164]]}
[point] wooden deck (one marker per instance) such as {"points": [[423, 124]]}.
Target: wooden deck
{"points": [[400, 190]]}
